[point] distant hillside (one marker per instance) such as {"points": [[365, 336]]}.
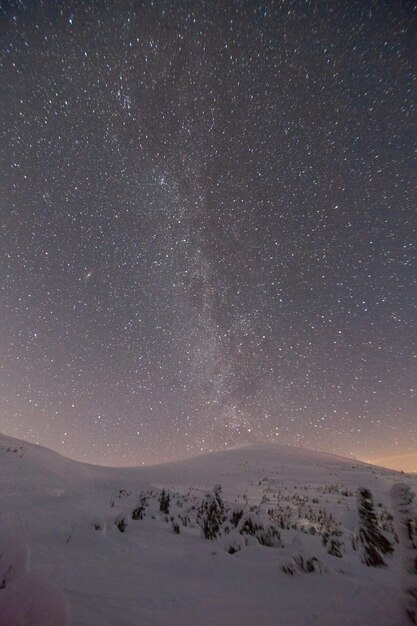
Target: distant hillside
{"points": [[262, 534], [399, 462]]}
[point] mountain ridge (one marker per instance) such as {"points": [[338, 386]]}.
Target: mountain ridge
{"points": [[237, 536]]}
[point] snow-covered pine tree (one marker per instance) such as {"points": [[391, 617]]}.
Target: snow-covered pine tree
{"points": [[211, 513], [164, 502], [375, 544]]}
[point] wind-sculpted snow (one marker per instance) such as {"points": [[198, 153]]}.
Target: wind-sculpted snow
{"points": [[26, 599], [258, 535], [32, 601]]}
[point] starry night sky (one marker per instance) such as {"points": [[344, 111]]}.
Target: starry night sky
{"points": [[207, 226]]}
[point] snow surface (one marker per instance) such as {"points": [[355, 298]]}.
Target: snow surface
{"points": [[64, 560]]}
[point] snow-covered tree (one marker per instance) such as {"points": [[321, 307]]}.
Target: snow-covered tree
{"points": [[374, 543], [164, 502], [211, 513]]}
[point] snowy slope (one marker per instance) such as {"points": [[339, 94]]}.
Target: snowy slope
{"points": [[58, 520]]}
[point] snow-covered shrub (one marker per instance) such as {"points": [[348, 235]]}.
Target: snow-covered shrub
{"points": [[234, 542], [139, 511], [250, 524], [123, 493], [269, 536], [100, 526], [121, 522], [335, 547], [331, 538], [235, 515], [184, 519], [175, 525], [281, 517], [308, 565], [265, 532], [302, 564], [289, 568]]}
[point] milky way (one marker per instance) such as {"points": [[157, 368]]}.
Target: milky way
{"points": [[207, 226]]}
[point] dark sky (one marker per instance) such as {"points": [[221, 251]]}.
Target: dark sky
{"points": [[207, 226]]}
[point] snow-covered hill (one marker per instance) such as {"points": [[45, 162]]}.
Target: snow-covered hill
{"points": [[292, 538]]}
